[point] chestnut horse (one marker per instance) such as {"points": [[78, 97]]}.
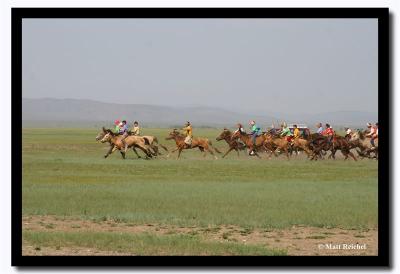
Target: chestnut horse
{"points": [[247, 140], [202, 143], [226, 135], [273, 142], [130, 141]]}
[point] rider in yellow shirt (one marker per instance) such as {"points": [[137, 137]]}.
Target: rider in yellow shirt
{"points": [[189, 133], [296, 132]]}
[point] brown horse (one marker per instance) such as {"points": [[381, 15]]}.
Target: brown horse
{"points": [[300, 143], [273, 142], [202, 143], [226, 135], [247, 140], [130, 141], [337, 143]]}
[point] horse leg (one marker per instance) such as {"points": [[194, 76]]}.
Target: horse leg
{"points": [[211, 152], [229, 150], [202, 150], [179, 152], [137, 154], [287, 153], [110, 150], [352, 155]]}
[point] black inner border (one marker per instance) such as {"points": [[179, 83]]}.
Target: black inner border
{"points": [[382, 14]]}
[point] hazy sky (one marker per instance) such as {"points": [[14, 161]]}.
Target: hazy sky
{"points": [[250, 65]]}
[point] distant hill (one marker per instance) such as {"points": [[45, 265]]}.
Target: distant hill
{"points": [[73, 112], [87, 112]]}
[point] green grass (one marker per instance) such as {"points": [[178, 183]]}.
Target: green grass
{"points": [[65, 174], [145, 244]]}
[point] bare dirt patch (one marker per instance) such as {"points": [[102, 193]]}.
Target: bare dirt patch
{"points": [[297, 240]]}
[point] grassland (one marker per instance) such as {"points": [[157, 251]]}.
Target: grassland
{"points": [[65, 175]]}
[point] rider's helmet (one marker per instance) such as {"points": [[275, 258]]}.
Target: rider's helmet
{"points": [[124, 122], [252, 122], [116, 122], [187, 123], [135, 123]]}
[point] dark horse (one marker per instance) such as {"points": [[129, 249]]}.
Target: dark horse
{"points": [[337, 143], [226, 135]]}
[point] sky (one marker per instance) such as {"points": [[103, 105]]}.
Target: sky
{"points": [[262, 66]]}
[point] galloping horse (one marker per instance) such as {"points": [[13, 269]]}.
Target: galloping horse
{"points": [[226, 135], [338, 143], [364, 143], [202, 143], [273, 142], [152, 140], [247, 140], [300, 143], [130, 141]]}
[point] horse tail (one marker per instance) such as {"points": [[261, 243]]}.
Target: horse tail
{"points": [[146, 141], [210, 143]]}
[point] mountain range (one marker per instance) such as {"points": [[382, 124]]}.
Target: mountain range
{"points": [[77, 112]]}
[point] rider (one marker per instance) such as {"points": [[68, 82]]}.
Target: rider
{"points": [[320, 128], [285, 132], [123, 130], [348, 132], [328, 132], [116, 129], [255, 131], [189, 133], [373, 133], [296, 132], [136, 129]]}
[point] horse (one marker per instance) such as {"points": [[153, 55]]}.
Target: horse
{"points": [[130, 141], [364, 143], [152, 140], [274, 142], [300, 143], [337, 143], [112, 146], [226, 135], [342, 144], [202, 143], [247, 140]]}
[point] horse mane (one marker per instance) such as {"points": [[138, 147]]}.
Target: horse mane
{"points": [[110, 132]]}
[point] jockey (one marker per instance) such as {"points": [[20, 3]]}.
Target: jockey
{"points": [[285, 132], [116, 129], [123, 130], [348, 132], [189, 133], [373, 133], [296, 132], [320, 128], [328, 132], [255, 131], [239, 127], [136, 129]]}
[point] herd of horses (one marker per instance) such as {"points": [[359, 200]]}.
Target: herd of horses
{"points": [[314, 145]]}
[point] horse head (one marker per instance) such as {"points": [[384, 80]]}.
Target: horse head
{"points": [[237, 134], [224, 134], [173, 134], [101, 134], [108, 135]]}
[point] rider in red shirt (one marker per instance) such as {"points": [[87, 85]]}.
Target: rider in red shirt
{"points": [[329, 132]]}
